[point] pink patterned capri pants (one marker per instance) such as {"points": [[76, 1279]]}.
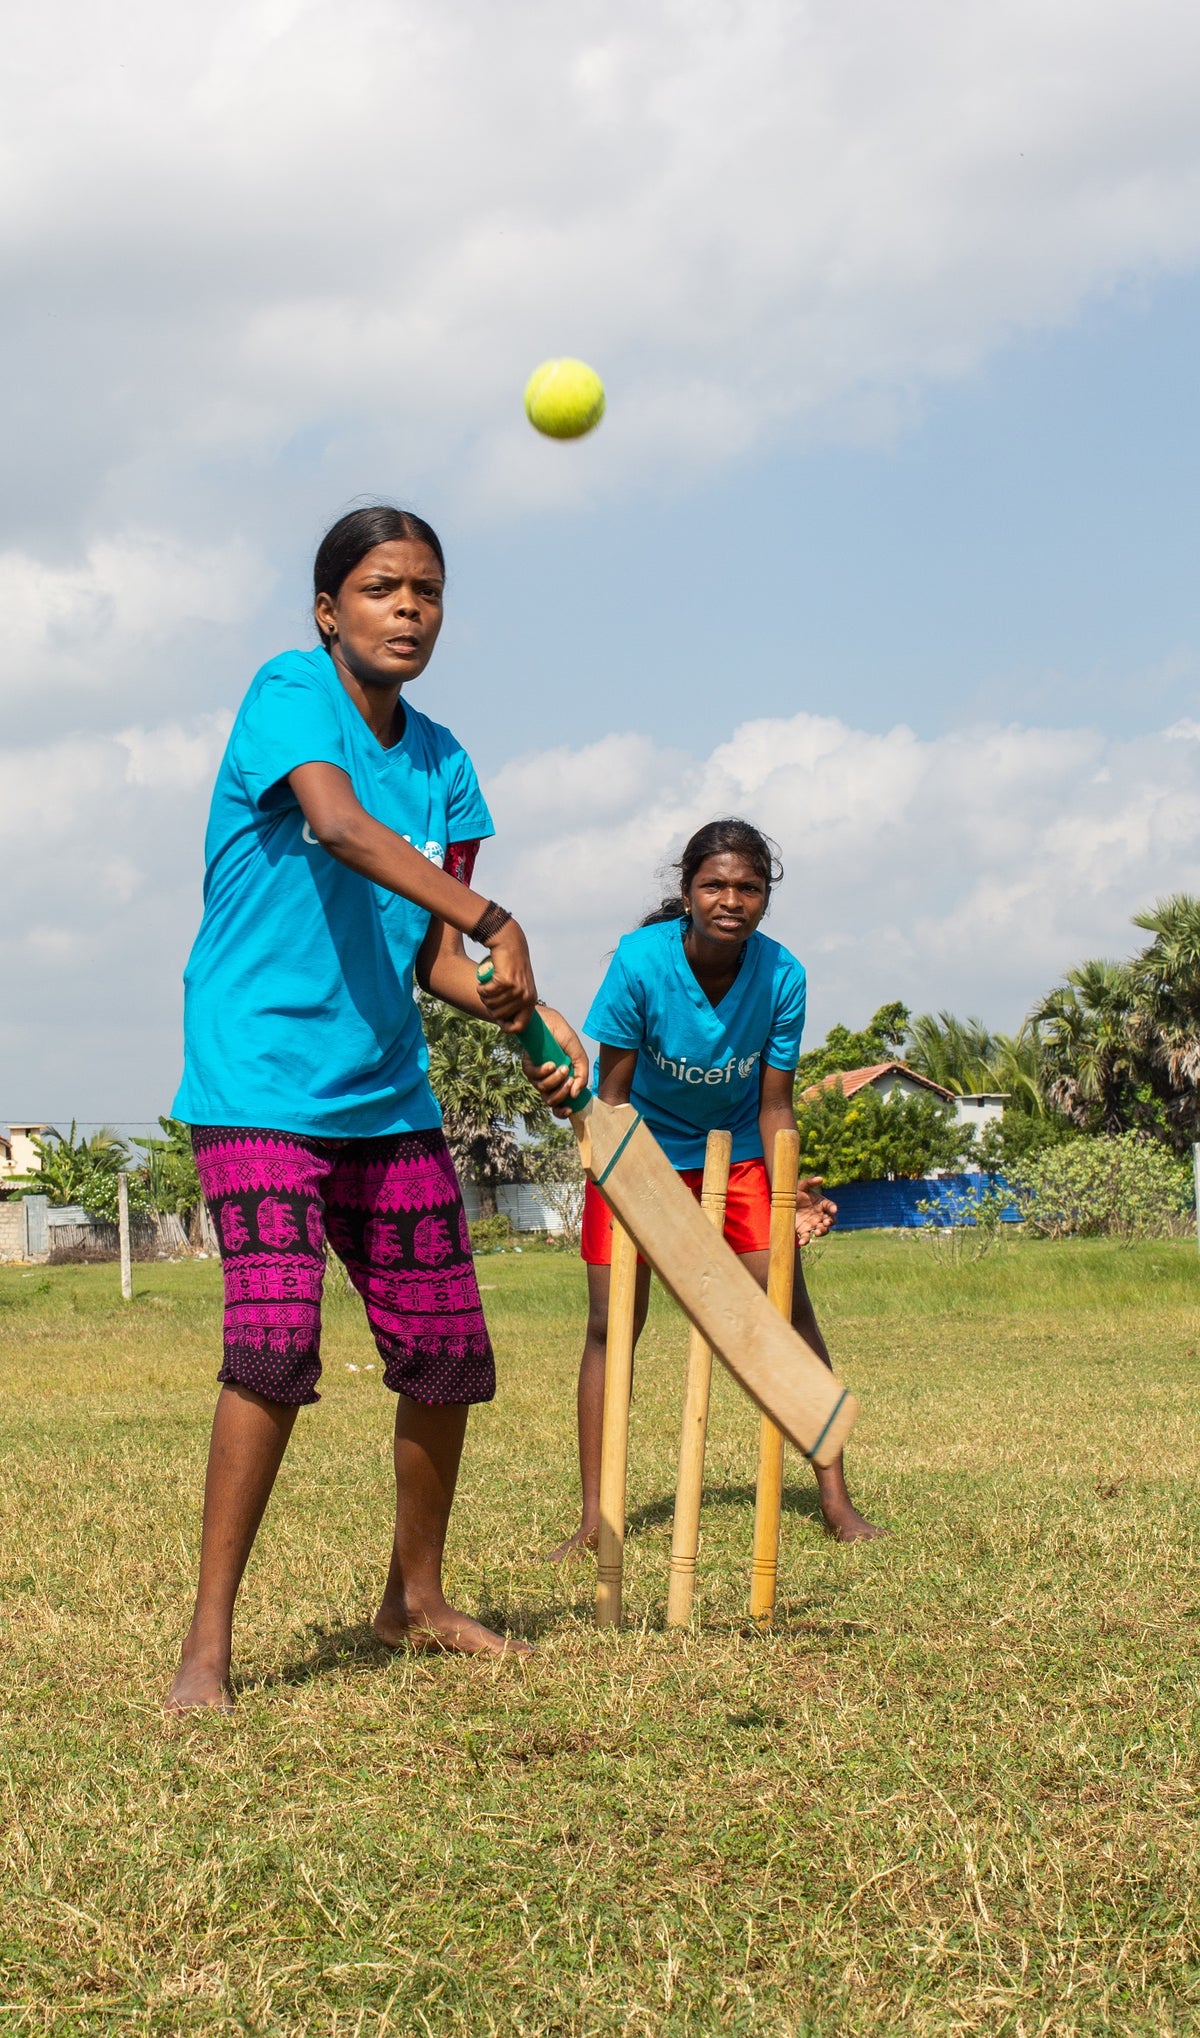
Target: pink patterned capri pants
{"points": [[392, 1211]]}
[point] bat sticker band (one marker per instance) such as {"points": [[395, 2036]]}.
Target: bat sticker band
{"points": [[602, 1178], [810, 1455]]}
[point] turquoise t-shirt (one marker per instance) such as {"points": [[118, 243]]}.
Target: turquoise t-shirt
{"points": [[698, 1064], [299, 1012]]}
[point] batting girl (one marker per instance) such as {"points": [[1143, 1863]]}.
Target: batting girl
{"points": [[339, 856], [699, 1020]]}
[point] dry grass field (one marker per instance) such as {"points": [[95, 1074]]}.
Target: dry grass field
{"points": [[953, 1790]]}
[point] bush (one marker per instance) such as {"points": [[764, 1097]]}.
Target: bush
{"points": [[84, 1171], [490, 1234], [1126, 1187], [866, 1138]]}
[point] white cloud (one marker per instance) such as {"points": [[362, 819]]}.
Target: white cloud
{"points": [[242, 236], [966, 871], [122, 628], [100, 838]]}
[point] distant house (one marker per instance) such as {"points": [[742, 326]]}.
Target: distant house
{"points": [[890, 1078], [895, 1079], [18, 1154]]}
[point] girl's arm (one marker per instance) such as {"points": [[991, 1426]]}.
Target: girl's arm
{"points": [[815, 1214], [445, 970], [617, 1065], [348, 833]]}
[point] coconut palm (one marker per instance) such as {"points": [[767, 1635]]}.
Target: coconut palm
{"points": [[1164, 1021], [475, 1071], [1090, 1068], [957, 1053]]}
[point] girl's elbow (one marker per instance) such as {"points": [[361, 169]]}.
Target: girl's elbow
{"points": [[336, 833]]}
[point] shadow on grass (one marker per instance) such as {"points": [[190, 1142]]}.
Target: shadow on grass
{"points": [[800, 1500], [359, 1647]]}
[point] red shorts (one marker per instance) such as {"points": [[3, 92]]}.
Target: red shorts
{"points": [[747, 1212]]}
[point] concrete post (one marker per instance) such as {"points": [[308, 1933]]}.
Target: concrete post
{"points": [[123, 1226]]}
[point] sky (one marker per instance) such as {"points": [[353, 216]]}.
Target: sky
{"points": [[886, 540]]}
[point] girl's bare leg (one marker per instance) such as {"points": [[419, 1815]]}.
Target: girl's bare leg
{"points": [[249, 1438], [413, 1610], [590, 1403], [841, 1517]]}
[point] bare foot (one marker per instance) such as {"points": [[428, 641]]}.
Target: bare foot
{"points": [[198, 1686], [444, 1630], [847, 1525], [578, 1545]]}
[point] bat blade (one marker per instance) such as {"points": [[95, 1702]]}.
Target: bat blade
{"points": [[758, 1346]]}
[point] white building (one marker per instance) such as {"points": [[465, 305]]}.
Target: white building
{"points": [[18, 1154], [895, 1079]]}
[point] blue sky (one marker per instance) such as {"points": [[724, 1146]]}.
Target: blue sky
{"points": [[886, 540]]}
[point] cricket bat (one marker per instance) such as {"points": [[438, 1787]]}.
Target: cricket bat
{"points": [[712, 1287]]}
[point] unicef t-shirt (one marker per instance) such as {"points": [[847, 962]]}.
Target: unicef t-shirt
{"points": [[298, 995], [698, 1064]]}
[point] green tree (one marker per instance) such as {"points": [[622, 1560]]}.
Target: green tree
{"points": [[1164, 1021], [84, 1171], [475, 1071], [867, 1137], [957, 1053], [882, 1039], [552, 1161], [1090, 1067], [964, 1056], [169, 1173], [1121, 1040]]}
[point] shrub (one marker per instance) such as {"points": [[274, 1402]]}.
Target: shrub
{"points": [[867, 1137], [490, 1234], [1125, 1187], [965, 1225]]}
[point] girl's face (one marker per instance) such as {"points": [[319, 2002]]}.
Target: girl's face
{"points": [[727, 898], [383, 622]]}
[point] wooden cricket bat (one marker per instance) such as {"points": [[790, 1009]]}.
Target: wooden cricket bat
{"points": [[762, 1351]]}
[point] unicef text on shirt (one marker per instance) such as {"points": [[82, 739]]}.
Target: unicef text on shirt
{"points": [[435, 852], [684, 1071]]}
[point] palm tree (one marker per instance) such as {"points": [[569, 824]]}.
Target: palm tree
{"points": [[963, 1056], [1164, 1021], [1090, 1068], [957, 1053], [475, 1071]]}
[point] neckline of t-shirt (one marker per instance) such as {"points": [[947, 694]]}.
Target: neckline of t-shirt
{"points": [[381, 753], [742, 975]]}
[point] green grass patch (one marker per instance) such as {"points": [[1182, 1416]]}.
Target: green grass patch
{"points": [[953, 1790]]}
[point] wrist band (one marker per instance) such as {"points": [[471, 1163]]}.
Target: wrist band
{"points": [[489, 923]]}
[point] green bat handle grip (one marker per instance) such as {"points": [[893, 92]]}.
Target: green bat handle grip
{"points": [[540, 1045]]}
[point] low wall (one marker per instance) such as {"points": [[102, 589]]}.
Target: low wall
{"points": [[23, 1228], [885, 1206]]}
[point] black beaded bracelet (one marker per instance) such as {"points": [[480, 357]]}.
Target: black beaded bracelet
{"points": [[489, 923]]}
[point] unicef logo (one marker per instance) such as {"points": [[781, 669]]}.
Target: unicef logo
{"points": [[435, 852], [745, 1068]]}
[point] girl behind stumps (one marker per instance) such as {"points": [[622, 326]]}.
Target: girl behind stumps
{"points": [[699, 1018]]}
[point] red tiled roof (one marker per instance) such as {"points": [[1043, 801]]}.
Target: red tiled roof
{"points": [[851, 1081]]}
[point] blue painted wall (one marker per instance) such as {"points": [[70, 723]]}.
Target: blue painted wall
{"points": [[874, 1206]]}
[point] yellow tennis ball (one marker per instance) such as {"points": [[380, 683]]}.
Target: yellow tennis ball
{"points": [[564, 399]]}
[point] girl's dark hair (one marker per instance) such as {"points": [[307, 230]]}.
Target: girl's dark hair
{"points": [[720, 838], [358, 533]]}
